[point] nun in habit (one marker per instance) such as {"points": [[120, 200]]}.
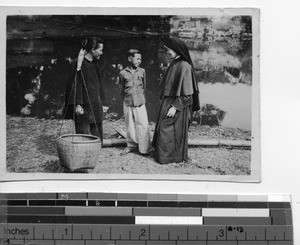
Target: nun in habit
{"points": [[179, 97]]}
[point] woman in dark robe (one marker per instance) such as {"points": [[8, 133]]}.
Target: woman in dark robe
{"points": [[179, 97], [84, 81]]}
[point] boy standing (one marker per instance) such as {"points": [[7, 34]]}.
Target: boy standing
{"points": [[132, 81]]}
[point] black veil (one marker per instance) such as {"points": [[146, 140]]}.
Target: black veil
{"points": [[179, 46]]}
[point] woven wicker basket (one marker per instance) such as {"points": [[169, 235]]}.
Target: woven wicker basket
{"points": [[77, 151]]}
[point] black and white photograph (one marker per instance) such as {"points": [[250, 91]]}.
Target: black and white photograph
{"points": [[163, 94]]}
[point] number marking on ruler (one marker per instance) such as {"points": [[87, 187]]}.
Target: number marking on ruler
{"points": [[145, 219]]}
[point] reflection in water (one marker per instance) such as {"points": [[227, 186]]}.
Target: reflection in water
{"points": [[234, 100], [209, 115]]}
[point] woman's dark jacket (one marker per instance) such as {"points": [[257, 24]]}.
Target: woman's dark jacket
{"points": [[87, 87]]}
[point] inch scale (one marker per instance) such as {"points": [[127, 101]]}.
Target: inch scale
{"points": [[144, 219], [88, 234]]}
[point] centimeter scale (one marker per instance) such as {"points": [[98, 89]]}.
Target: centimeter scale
{"points": [[144, 219]]}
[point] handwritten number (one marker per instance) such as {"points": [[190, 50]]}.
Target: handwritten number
{"points": [[240, 229]]}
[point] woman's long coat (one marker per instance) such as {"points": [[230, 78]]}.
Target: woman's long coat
{"points": [[87, 87], [170, 139]]}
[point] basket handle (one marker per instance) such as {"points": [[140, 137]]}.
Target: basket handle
{"points": [[85, 87], [74, 86]]}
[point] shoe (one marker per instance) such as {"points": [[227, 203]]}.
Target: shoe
{"points": [[149, 153], [127, 150]]}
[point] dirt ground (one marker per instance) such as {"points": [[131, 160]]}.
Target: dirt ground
{"points": [[31, 147]]}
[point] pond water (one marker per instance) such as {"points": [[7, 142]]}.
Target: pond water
{"points": [[37, 73], [235, 100]]}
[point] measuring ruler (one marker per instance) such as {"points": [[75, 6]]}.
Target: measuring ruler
{"points": [[144, 219]]}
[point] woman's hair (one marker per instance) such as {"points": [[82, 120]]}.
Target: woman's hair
{"points": [[86, 46], [91, 43]]}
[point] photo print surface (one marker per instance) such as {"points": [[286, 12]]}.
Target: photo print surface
{"points": [[51, 67]]}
